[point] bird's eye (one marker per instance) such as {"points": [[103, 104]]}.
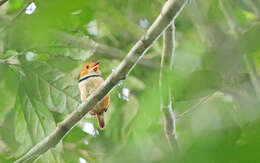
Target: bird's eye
{"points": [[87, 66]]}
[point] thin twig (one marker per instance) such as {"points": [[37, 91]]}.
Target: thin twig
{"points": [[167, 15], [203, 100]]}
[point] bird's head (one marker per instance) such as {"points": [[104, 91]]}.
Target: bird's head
{"points": [[90, 68]]}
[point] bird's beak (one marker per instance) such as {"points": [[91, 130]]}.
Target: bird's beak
{"points": [[96, 66]]}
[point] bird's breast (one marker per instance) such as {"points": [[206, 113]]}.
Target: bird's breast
{"points": [[88, 86]]}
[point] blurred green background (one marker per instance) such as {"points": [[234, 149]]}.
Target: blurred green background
{"points": [[43, 45]]}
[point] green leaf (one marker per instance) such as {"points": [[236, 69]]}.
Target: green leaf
{"points": [[249, 42], [7, 132], [56, 90], [130, 112], [8, 89], [76, 134], [249, 15], [15, 4], [76, 54], [242, 17], [33, 122], [42, 88], [134, 84], [197, 84], [31, 56]]}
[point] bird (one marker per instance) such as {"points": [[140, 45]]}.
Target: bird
{"points": [[90, 79]]}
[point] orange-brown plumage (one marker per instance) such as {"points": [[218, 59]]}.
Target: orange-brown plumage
{"points": [[87, 67], [91, 80]]}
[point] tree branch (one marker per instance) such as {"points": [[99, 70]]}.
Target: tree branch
{"points": [[166, 102], [168, 13], [2, 2]]}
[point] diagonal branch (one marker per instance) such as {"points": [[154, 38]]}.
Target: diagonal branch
{"points": [[168, 13], [190, 110], [2, 2]]}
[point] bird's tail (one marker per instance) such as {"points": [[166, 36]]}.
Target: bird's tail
{"points": [[101, 121]]}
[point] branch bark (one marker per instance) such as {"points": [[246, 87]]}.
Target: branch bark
{"points": [[169, 12], [3, 2]]}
